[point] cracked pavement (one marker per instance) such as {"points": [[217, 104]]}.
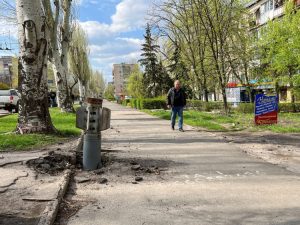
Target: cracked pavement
{"points": [[203, 179]]}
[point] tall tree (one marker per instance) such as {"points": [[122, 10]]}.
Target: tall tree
{"points": [[109, 92], [219, 20], [32, 34], [163, 79], [97, 84], [280, 46], [177, 66], [149, 61], [135, 85], [179, 22], [60, 36], [78, 60]]}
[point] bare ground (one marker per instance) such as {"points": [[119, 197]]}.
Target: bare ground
{"points": [[278, 149]]}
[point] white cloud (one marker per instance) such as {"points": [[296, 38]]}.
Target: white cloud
{"points": [[134, 41], [130, 14], [96, 29], [110, 43]]}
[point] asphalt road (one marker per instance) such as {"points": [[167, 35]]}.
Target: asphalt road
{"points": [[203, 180]]}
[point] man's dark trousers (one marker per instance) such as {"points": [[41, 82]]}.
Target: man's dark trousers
{"points": [[177, 110]]}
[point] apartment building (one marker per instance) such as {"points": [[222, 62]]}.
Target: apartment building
{"points": [[261, 11], [121, 73], [264, 10]]}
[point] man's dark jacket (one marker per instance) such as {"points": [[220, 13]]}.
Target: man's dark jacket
{"points": [[176, 98]]}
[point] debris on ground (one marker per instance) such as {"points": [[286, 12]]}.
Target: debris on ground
{"points": [[67, 209], [136, 167], [81, 180], [103, 180], [99, 171], [138, 179], [53, 164]]}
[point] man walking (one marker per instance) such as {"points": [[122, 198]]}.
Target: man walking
{"points": [[176, 101]]}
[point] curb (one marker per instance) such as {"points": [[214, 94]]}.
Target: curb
{"points": [[49, 214]]}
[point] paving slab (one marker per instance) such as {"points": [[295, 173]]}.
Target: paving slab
{"points": [[199, 179], [29, 197]]}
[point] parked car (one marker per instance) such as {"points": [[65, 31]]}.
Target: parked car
{"points": [[9, 100]]}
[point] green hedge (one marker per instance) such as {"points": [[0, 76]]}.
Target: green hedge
{"points": [[283, 107], [289, 107], [245, 108], [148, 103], [125, 102], [133, 103], [160, 103], [204, 106]]}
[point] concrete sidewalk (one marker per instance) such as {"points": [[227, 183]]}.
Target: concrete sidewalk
{"points": [[28, 196], [188, 178]]}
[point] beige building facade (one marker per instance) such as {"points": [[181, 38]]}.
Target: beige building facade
{"points": [[121, 72]]}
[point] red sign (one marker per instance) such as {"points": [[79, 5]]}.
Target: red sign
{"points": [[267, 119], [232, 85]]}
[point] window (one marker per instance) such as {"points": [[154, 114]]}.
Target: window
{"points": [[14, 93], [268, 6], [278, 3]]}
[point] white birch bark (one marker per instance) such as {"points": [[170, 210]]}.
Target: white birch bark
{"points": [[34, 114], [59, 47], [81, 92]]}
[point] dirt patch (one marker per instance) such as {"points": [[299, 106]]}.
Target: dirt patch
{"points": [[279, 149], [54, 163], [67, 209], [12, 219]]}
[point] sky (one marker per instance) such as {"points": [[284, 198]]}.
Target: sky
{"points": [[115, 30]]}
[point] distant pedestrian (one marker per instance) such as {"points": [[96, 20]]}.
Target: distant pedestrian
{"points": [[73, 98], [53, 98], [176, 101]]}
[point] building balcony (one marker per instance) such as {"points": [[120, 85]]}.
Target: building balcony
{"points": [[270, 15]]}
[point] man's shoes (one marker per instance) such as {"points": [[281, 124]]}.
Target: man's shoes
{"points": [[181, 130], [173, 128]]}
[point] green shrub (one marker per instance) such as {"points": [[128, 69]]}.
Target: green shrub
{"points": [[245, 108], [283, 107], [125, 102], [289, 107], [111, 99], [194, 104], [210, 106], [137, 104], [152, 103], [204, 106], [133, 103]]}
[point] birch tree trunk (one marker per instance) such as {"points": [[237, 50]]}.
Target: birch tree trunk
{"points": [[34, 114], [81, 92], [59, 47]]}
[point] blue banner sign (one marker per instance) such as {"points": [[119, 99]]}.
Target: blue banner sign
{"points": [[266, 109]]}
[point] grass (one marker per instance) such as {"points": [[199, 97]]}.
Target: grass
{"points": [[63, 122], [288, 122]]}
